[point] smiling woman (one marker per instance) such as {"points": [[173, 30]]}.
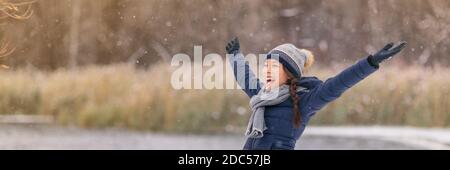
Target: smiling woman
{"points": [[277, 74], [276, 122]]}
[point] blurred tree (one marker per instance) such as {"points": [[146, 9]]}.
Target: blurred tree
{"points": [[85, 32], [74, 33]]}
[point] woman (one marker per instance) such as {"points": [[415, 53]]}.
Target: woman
{"points": [[276, 122]]}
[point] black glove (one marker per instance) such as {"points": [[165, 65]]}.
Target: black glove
{"points": [[386, 53], [233, 46]]}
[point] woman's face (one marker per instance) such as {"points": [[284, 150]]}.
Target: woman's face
{"points": [[275, 74]]}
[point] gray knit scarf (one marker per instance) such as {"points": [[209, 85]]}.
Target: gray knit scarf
{"points": [[256, 124]]}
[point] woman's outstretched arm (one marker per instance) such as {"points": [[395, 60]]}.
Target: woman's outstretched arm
{"points": [[242, 72], [334, 87]]}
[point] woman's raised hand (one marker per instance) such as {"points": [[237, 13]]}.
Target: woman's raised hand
{"points": [[233, 47], [386, 53]]}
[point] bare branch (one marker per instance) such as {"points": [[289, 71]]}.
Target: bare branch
{"points": [[12, 9], [15, 10], [5, 49]]}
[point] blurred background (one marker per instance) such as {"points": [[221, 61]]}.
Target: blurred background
{"points": [[101, 69]]}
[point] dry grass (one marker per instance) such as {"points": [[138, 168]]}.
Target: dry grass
{"points": [[120, 96], [394, 96]]}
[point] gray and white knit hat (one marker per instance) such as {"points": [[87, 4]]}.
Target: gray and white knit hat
{"points": [[291, 57]]}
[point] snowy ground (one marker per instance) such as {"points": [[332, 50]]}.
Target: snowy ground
{"points": [[47, 137]]}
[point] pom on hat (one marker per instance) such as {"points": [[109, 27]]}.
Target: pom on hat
{"points": [[309, 58]]}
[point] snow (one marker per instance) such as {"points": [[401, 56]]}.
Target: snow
{"points": [[168, 24], [241, 110], [323, 45], [428, 138], [374, 137]]}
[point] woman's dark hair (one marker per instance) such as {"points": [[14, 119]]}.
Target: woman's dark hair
{"points": [[292, 81]]}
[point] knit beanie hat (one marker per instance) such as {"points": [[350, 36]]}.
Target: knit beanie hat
{"points": [[292, 58]]}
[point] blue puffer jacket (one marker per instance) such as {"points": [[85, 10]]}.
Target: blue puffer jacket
{"points": [[281, 132]]}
